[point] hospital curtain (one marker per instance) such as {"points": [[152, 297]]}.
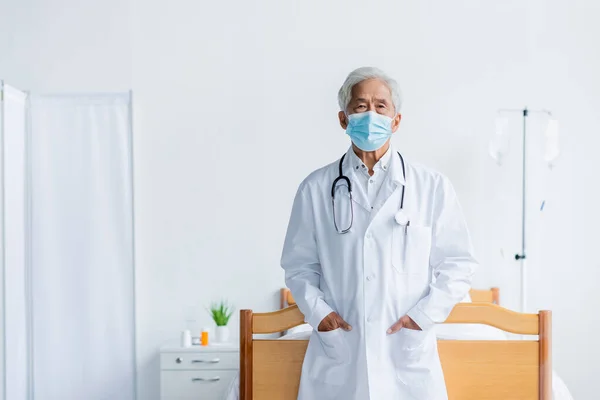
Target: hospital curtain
{"points": [[82, 261]]}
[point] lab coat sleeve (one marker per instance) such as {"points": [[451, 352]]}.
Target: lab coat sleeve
{"points": [[300, 260], [451, 258]]}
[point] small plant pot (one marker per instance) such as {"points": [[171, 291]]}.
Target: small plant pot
{"points": [[222, 334]]}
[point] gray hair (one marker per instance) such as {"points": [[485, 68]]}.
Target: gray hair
{"points": [[362, 74]]}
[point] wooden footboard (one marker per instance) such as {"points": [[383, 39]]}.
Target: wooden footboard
{"points": [[491, 295], [473, 370]]}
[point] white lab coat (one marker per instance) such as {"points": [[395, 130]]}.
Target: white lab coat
{"points": [[374, 275]]}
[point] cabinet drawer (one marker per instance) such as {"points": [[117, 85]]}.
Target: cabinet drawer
{"points": [[196, 385], [199, 361]]}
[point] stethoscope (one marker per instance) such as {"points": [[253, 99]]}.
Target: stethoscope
{"points": [[400, 217]]}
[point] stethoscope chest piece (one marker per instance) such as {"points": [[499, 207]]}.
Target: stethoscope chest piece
{"points": [[402, 218]]}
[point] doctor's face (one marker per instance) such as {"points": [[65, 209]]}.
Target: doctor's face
{"points": [[371, 95]]}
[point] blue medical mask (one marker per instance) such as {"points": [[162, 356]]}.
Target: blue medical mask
{"points": [[368, 130]]}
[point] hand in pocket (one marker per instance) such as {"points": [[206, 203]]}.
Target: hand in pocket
{"points": [[332, 322], [405, 322]]}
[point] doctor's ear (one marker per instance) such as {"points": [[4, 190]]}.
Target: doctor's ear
{"points": [[396, 122], [343, 119]]}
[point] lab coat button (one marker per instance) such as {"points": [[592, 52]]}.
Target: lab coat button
{"points": [[369, 278], [369, 235]]}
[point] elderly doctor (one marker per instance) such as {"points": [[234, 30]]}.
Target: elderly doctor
{"points": [[376, 253]]}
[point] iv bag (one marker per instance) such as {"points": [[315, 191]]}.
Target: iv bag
{"points": [[552, 147], [500, 143]]}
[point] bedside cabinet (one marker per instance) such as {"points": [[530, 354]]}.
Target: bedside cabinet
{"points": [[197, 372]]}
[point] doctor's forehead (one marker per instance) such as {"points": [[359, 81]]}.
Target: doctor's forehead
{"points": [[371, 89]]}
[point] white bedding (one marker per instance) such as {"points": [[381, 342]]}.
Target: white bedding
{"points": [[445, 332]]}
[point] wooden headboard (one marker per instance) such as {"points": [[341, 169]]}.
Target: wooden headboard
{"points": [[477, 296], [473, 370]]}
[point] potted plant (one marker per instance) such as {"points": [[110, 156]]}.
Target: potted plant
{"points": [[221, 313]]}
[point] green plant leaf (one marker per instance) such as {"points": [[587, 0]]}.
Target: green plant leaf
{"points": [[221, 313]]}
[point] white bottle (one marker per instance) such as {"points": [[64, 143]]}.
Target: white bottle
{"points": [[186, 338]]}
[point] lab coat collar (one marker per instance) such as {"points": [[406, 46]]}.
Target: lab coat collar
{"points": [[382, 164], [395, 167], [395, 177], [393, 181]]}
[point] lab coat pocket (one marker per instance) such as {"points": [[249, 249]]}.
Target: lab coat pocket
{"points": [[334, 345], [331, 364], [413, 362], [411, 246], [411, 343]]}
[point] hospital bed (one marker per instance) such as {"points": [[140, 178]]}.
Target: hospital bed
{"points": [[478, 359]]}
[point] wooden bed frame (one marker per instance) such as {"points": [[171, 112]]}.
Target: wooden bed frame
{"points": [[491, 295], [473, 370]]}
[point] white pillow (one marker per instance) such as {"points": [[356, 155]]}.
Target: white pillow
{"points": [[302, 335], [442, 331], [299, 328]]}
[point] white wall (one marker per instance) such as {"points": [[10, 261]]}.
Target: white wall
{"points": [[230, 100], [66, 45]]}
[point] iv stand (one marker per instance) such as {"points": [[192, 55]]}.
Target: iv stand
{"points": [[521, 257]]}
